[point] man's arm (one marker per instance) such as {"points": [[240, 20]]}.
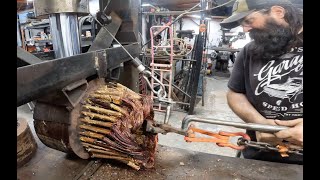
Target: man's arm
{"points": [[240, 105]]}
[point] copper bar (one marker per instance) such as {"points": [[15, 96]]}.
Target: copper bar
{"points": [[95, 122], [99, 116], [109, 98], [94, 150], [95, 129], [92, 134], [102, 110]]}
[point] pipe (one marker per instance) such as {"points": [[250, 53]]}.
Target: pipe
{"points": [[65, 34], [249, 126]]}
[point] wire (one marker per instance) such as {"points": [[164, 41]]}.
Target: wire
{"points": [[106, 6], [189, 12], [112, 36], [211, 8]]}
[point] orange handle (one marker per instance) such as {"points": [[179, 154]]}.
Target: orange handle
{"points": [[221, 138]]}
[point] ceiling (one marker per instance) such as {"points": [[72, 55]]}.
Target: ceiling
{"points": [[23, 5], [172, 5], [181, 5]]}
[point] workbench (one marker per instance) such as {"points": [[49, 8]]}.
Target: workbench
{"points": [[171, 163]]}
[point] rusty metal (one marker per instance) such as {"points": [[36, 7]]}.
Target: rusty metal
{"points": [[101, 63], [34, 81], [103, 40], [53, 134], [75, 91], [128, 11], [56, 124], [164, 129], [45, 7], [25, 58], [51, 113]]}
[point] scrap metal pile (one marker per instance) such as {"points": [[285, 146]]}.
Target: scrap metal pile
{"points": [[112, 120]]}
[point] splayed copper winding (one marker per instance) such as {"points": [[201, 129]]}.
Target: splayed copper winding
{"points": [[111, 126]]}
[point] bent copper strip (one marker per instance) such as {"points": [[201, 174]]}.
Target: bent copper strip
{"points": [[99, 116], [102, 110], [95, 129], [95, 122]]}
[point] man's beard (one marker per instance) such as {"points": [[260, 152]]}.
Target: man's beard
{"points": [[271, 41]]}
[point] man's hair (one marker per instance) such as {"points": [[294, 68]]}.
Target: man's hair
{"points": [[281, 41], [294, 17]]}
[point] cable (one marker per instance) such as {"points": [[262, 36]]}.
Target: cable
{"points": [[106, 6], [211, 8]]}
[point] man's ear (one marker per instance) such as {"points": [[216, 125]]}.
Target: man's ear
{"points": [[277, 12]]}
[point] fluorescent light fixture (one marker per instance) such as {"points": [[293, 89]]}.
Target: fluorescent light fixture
{"points": [[29, 1], [147, 5], [197, 16], [144, 5]]}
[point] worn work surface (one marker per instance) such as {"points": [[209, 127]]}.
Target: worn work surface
{"points": [[171, 163]]}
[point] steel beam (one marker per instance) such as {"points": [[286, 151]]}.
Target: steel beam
{"points": [[26, 57], [34, 81], [103, 39]]}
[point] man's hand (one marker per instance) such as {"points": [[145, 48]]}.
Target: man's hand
{"points": [[294, 134], [268, 137]]}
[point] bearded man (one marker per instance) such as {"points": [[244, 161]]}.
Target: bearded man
{"points": [[266, 83]]}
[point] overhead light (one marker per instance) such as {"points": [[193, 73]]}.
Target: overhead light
{"points": [[197, 16], [29, 1], [147, 5]]}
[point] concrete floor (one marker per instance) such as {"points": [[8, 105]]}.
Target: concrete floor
{"points": [[215, 106]]}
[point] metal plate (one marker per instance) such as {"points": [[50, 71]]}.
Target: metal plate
{"points": [[174, 163], [45, 7]]}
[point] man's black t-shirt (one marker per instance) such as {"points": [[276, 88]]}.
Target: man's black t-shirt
{"points": [[274, 88]]}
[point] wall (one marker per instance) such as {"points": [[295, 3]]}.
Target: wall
{"points": [[93, 6], [214, 32]]}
